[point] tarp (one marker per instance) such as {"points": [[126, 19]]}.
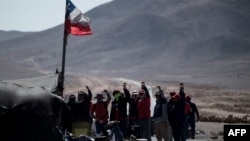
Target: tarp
{"points": [[49, 82], [31, 112]]}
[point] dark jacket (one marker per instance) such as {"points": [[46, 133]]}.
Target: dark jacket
{"points": [[160, 110], [83, 108], [133, 113], [193, 111], [72, 106], [176, 110], [121, 104]]}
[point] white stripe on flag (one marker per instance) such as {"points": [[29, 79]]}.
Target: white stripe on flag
{"points": [[77, 17]]}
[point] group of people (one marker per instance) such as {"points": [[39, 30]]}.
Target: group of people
{"points": [[181, 115], [171, 118]]}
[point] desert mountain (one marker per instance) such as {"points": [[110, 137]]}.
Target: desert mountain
{"points": [[11, 35], [200, 41], [9, 70]]}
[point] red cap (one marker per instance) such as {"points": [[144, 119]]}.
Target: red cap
{"points": [[116, 91], [188, 98], [172, 93], [176, 96]]}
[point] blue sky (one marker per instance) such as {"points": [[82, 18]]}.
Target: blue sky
{"points": [[37, 15]]}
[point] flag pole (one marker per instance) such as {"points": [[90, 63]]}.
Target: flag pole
{"points": [[65, 35], [63, 63]]}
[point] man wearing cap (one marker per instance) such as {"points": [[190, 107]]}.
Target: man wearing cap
{"points": [[100, 113], [176, 115], [160, 118], [119, 108], [144, 113]]}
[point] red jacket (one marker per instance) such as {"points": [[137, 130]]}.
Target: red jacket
{"points": [[144, 108], [100, 111]]}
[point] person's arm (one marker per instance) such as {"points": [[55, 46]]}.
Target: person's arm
{"points": [[89, 93], [143, 86], [182, 95], [126, 92], [108, 96], [197, 112]]}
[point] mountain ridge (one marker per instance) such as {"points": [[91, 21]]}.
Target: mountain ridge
{"points": [[148, 39]]}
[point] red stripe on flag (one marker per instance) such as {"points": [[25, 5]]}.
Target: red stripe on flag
{"points": [[77, 29]]}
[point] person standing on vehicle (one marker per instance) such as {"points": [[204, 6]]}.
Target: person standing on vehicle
{"points": [[83, 116], [100, 113], [160, 118], [144, 113], [119, 108], [191, 116], [84, 103]]}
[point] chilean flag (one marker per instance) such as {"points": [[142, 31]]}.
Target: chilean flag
{"points": [[75, 22]]}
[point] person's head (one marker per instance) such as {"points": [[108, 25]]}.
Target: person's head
{"points": [[157, 95], [81, 95], [188, 98], [124, 84], [176, 97], [172, 93], [142, 93], [72, 98], [142, 84], [117, 94], [134, 94], [99, 97]]}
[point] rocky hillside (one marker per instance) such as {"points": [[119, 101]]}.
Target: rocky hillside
{"points": [[198, 41]]}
